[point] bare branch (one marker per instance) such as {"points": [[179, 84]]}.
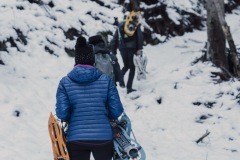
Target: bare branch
{"points": [[203, 136]]}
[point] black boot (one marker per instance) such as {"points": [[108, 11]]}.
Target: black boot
{"points": [[122, 84], [131, 90]]}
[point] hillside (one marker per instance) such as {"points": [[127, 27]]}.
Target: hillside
{"points": [[172, 109]]}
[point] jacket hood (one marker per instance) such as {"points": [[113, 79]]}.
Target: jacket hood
{"points": [[84, 75], [100, 49]]}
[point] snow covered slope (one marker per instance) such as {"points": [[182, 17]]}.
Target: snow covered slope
{"points": [[172, 109]]}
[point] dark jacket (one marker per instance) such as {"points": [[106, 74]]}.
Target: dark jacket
{"points": [[123, 41], [82, 97]]}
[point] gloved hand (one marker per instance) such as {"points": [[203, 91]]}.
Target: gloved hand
{"points": [[122, 119], [139, 52]]}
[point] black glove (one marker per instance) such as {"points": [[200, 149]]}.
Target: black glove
{"points": [[139, 52]]}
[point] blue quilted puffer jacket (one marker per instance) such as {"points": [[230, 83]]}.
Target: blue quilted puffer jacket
{"points": [[82, 97]]}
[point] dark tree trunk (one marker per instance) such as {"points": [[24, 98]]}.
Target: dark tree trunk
{"points": [[216, 39], [233, 58]]}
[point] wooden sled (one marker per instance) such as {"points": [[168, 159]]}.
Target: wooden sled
{"points": [[58, 140], [129, 20]]}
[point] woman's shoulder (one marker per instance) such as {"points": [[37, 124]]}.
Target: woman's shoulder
{"points": [[65, 79], [104, 76]]}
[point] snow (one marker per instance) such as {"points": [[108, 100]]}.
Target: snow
{"points": [[168, 115]]}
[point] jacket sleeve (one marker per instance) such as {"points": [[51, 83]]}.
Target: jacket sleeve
{"points": [[114, 43], [114, 104], [140, 38], [63, 104]]}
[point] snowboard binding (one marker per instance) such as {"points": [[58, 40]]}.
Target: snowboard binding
{"points": [[125, 148]]}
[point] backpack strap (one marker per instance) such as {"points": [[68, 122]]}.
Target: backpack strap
{"points": [[120, 39]]}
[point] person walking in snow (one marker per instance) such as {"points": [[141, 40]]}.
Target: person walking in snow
{"points": [[86, 99], [128, 46], [100, 47]]}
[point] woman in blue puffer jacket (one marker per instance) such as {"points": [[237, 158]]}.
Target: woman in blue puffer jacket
{"points": [[86, 100]]}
